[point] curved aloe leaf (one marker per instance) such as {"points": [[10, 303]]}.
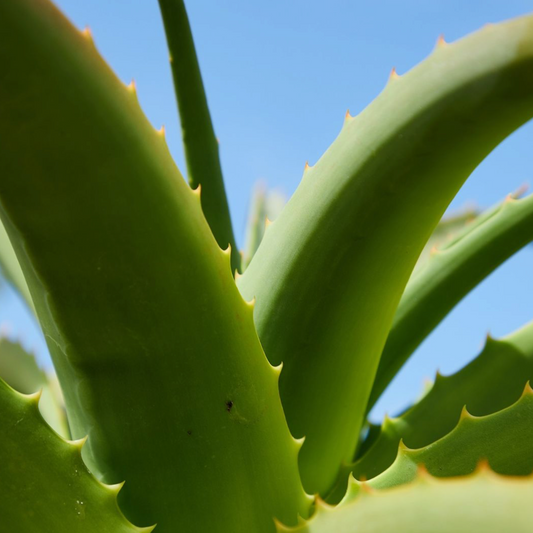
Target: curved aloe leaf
{"points": [[20, 370], [484, 502], [11, 268], [44, 484], [155, 349], [445, 230], [331, 269], [491, 382], [447, 277], [504, 439], [199, 141]]}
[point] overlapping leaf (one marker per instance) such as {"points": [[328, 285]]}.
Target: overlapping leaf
{"points": [[331, 269], [155, 349]]}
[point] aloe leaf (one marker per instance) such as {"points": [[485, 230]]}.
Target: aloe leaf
{"points": [[20, 370], [491, 382], [447, 277], [153, 344], [11, 268], [264, 208], [484, 502], [199, 141], [255, 228], [331, 269], [44, 484], [504, 439], [445, 230]]}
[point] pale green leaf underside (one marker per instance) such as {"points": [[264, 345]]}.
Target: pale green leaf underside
{"points": [[154, 346], [481, 503], [491, 382], [265, 206], [331, 269], [447, 276], [44, 484], [19, 369], [11, 268]]}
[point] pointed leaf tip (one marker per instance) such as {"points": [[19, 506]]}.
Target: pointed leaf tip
{"points": [[79, 444], [87, 33], [132, 87], [441, 41], [465, 414], [393, 74]]}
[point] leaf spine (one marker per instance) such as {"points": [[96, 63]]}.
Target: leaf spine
{"points": [[132, 88], [78, 443], [115, 488], [483, 467], [321, 505], [465, 414], [441, 41], [197, 191], [393, 74], [87, 34], [277, 368], [528, 391]]}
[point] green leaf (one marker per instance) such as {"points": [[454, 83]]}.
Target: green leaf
{"points": [[483, 502], [199, 141], [331, 269], [11, 268], [450, 273], [504, 439], [44, 484], [491, 382], [446, 229], [265, 207], [153, 344], [20, 370]]}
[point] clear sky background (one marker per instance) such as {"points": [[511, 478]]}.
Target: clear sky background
{"points": [[279, 77]]}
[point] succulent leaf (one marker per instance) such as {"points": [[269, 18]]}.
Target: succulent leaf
{"points": [[44, 484], [11, 270], [451, 272], [153, 344], [19, 369], [491, 382], [264, 208], [199, 141], [330, 271], [481, 502], [445, 230], [504, 439]]}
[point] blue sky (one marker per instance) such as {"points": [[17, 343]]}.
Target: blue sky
{"points": [[279, 77]]}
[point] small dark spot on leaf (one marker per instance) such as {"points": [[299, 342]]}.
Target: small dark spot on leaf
{"points": [[189, 432], [229, 405]]}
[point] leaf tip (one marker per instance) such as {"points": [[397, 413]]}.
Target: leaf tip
{"points": [[87, 34], [393, 74]]}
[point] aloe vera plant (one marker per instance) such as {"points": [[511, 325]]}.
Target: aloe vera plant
{"points": [[232, 395]]}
